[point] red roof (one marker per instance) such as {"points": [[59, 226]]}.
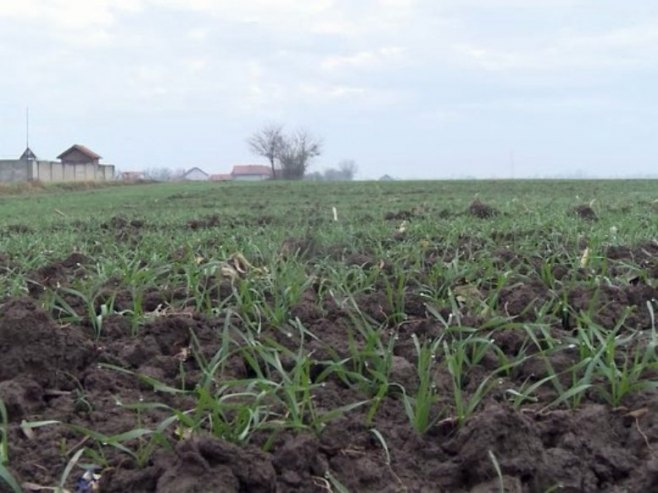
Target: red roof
{"points": [[80, 148], [221, 177], [251, 170]]}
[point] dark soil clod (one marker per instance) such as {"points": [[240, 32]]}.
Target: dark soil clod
{"points": [[585, 212], [58, 273], [399, 216], [482, 210], [32, 344], [19, 229], [204, 223]]}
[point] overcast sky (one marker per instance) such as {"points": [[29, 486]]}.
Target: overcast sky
{"points": [[412, 88]]}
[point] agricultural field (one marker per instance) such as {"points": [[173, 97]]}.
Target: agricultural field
{"points": [[356, 337]]}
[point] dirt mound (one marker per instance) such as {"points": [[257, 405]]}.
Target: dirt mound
{"points": [[58, 273], [18, 229], [360, 260], [302, 247], [207, 464], [205, 222], [581, 451], [594, 449], [481, 210], [505, 434], [125, 229], [5, 262], [609, 304], [399, 215], [120, 222], [31, 344], [644, 253], [584, 212], [523, 300]]}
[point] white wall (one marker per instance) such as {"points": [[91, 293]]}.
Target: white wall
{"points": [[53, 171], [196, 175], [250, 178]]}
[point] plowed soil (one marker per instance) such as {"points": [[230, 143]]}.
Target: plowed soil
{"points": [[114, 306], [62, 372]]}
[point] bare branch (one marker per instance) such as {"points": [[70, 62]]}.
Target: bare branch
{"points": [[297, 153], [268, 142]]}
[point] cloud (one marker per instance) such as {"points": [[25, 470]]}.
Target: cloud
{"points": [[68, 14], [547, 104], [332, 92], [275, 13], [380, 58], [406, 65], [618, 49]]}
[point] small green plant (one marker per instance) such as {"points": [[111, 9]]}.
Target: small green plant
{"points": [[625, 369], [371, 358], [456, 358], [138, 443], [395, 289], [419, 407], [4, 434], [5, 475]]}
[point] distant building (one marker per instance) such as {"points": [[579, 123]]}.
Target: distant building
{"points": [[386, 178], [221, 177], [78, 163], [132, 176], [251, 172], [79, 154], [195, 174], [28, 155]]}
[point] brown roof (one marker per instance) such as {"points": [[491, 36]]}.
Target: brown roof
{"points": [[84, 150], [251, 170], [221, 177]]}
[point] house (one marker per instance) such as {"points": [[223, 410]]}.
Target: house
{"points": [[251, 172], [79, 154], [195, 174], [132, 176], [221, 177], [386, 178]]}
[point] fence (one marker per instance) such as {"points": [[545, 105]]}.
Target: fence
{"points": [[53, 171]]}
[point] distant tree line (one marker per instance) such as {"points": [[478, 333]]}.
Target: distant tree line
{"points": [[163, 174], [289, 154], [346, 171]]}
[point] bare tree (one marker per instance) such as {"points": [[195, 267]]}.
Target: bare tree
{"points": [[158, 174], [345, 171], [348, 168], [314, 176], [296, 154], [269, 143], [178, 174]]}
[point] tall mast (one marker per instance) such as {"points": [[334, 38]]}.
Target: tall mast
{"points": [[27, 126]]}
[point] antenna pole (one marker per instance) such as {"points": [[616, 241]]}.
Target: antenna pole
{"points": [[27, 126]]}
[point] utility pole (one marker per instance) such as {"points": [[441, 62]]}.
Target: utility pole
{"points": [[27, 127]]}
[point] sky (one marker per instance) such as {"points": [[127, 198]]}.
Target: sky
{"points": [[417, 89]]}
